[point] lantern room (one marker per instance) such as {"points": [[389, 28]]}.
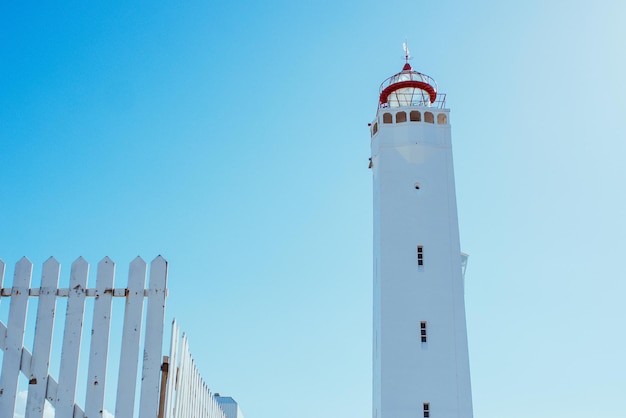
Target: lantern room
{"points": [[408, 88]]}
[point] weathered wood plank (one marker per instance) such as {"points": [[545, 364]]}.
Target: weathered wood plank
{"points": [[51, 391], [153, 342], [40, 361], [51, 396], [70, 352], [126, 385], [100, 332], [14, 340], [64, 292]]}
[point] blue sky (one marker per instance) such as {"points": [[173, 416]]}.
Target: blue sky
{"points": [[231, 138]]}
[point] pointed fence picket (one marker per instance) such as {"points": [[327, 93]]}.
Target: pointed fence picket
{"points": [[66, 390], [171, 387], [99, 347], [152, 355], [130, 340], [38, 377], [14, 336]]}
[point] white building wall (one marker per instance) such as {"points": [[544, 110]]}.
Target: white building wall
{"points": [[408, 373], [229, 406]]}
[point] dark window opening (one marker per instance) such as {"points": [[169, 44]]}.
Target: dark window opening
{"points": [[420, 255]]}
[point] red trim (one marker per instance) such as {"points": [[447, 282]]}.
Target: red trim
{"points": [[384, 95]]}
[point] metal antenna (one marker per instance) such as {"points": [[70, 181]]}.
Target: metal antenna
{"points": [[405, 47]]}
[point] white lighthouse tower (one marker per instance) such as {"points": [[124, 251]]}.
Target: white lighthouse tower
{"points": [[421, 365]]}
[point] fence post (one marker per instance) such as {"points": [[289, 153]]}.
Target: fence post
{"points": [[164, 376]]}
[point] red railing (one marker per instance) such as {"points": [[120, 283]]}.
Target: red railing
{"points": [[410, 88], [417, 100]]}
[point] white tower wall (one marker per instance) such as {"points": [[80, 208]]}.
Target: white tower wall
{"points": [[409, 373]]}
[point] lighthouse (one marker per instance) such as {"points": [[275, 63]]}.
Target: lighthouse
{"points": [[420, 354]]}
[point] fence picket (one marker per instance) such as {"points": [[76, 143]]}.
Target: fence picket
{"points": [[153, 343], [172, 377], [3, 329], [70, 352], [126, 384], [40, 360], [100, 332], [183, 403], [14, 337], [180, 383], [2, 265], [197, 385]]}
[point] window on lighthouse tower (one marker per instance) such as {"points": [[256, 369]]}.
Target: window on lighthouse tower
{"points": [[416, 116], [423, 331], [420, 255]]}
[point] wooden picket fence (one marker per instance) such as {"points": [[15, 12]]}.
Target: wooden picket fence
{"points": [[172, 389], [187, 394]]}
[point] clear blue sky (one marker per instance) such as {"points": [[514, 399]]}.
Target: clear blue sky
{"points": [[231, 138]]}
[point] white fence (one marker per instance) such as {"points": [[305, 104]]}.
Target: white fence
{"points": [[187, 395], [172, 389]]}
